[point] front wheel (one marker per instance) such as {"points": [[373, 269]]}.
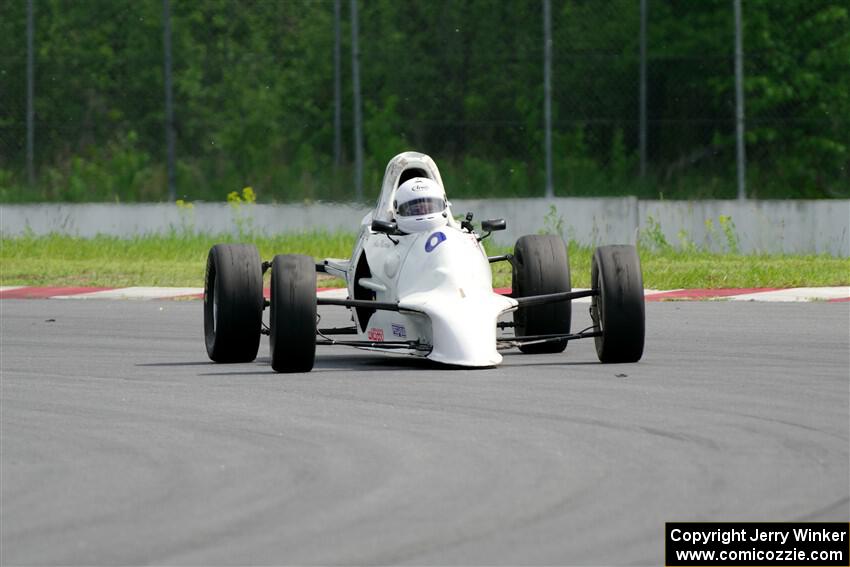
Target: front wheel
{"points": [[541, 266], [618, 309], [292, 337], [233, 302]]}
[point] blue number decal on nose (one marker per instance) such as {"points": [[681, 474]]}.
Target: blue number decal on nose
{"points": [[434, 241]]}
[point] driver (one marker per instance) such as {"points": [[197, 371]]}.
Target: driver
{"points": [[420, 205]]}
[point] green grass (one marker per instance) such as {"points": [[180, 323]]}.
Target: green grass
{"points": [[175, 260], [179, 260]]}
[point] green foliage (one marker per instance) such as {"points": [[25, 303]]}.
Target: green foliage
{"points": [[242, 208], [728, 228], [553, 223], [461, 81], [652, 236], [686, 244], [382, 127], [799, 70], [727, 238], [653, 239], [115, 171], [163, 260]]}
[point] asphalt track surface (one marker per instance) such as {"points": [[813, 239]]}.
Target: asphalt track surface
{"points": [[123, 444]]}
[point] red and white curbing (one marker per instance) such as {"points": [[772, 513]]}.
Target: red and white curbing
{"points": [[827, 294]]}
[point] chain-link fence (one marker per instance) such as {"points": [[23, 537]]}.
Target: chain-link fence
{"points": [[255, 97]]}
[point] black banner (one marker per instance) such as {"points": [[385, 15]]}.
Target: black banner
{"points": [[694, 544]]}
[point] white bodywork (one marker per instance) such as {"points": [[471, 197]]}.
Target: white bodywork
{"points": [[440, 279]]}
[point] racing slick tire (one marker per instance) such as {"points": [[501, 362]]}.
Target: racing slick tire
{"points": [[618, 310], [293, 313], [540, 265], [233, 302]]}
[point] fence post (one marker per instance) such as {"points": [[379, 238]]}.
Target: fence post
{"points": [[642, 134], [169, 106], [547, 93], [337, 87], [30, 101], [739, 102], [355, 79]]}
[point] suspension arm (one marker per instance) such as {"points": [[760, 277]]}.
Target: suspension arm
{"points": [[365, 303], [554, 297]]}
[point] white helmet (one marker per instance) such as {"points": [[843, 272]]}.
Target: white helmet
{"points": [[420, 205]]}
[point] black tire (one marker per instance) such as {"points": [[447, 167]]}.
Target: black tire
{"points": [[293, 313], [540, 265], [618, 310], [233, 302]]}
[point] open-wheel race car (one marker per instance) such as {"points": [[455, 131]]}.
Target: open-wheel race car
{"points": [[420, 284]]}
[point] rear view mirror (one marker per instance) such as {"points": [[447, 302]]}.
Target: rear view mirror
{"points": [[386, 227], [493, 225]]}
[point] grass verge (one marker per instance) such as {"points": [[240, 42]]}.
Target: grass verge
{"points": [[179, 260]]}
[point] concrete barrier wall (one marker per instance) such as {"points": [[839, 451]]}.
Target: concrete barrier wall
{"points": [[754, 226]]}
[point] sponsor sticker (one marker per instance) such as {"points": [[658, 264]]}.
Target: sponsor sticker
{"points": [[375, 334], [399, 331], [434, 241]]}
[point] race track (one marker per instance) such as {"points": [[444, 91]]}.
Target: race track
{"points": [[123, 444]]}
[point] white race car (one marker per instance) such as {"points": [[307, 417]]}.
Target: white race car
{"points": [[419, 283]]}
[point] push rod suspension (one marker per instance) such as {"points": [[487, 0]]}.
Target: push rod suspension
{"points": [[338, 331], [502, 258], [554, 297], [365, 303], [375, 344], [552, 337]]}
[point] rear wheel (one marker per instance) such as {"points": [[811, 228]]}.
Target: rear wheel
{"points": [[293, 313], [618, 310], [541, 266], [233, 302]]}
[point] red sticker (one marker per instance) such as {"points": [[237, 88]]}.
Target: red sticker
{"points": [[376, 334]]}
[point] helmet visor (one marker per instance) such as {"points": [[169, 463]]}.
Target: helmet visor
{"points": [[422, 206]]}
